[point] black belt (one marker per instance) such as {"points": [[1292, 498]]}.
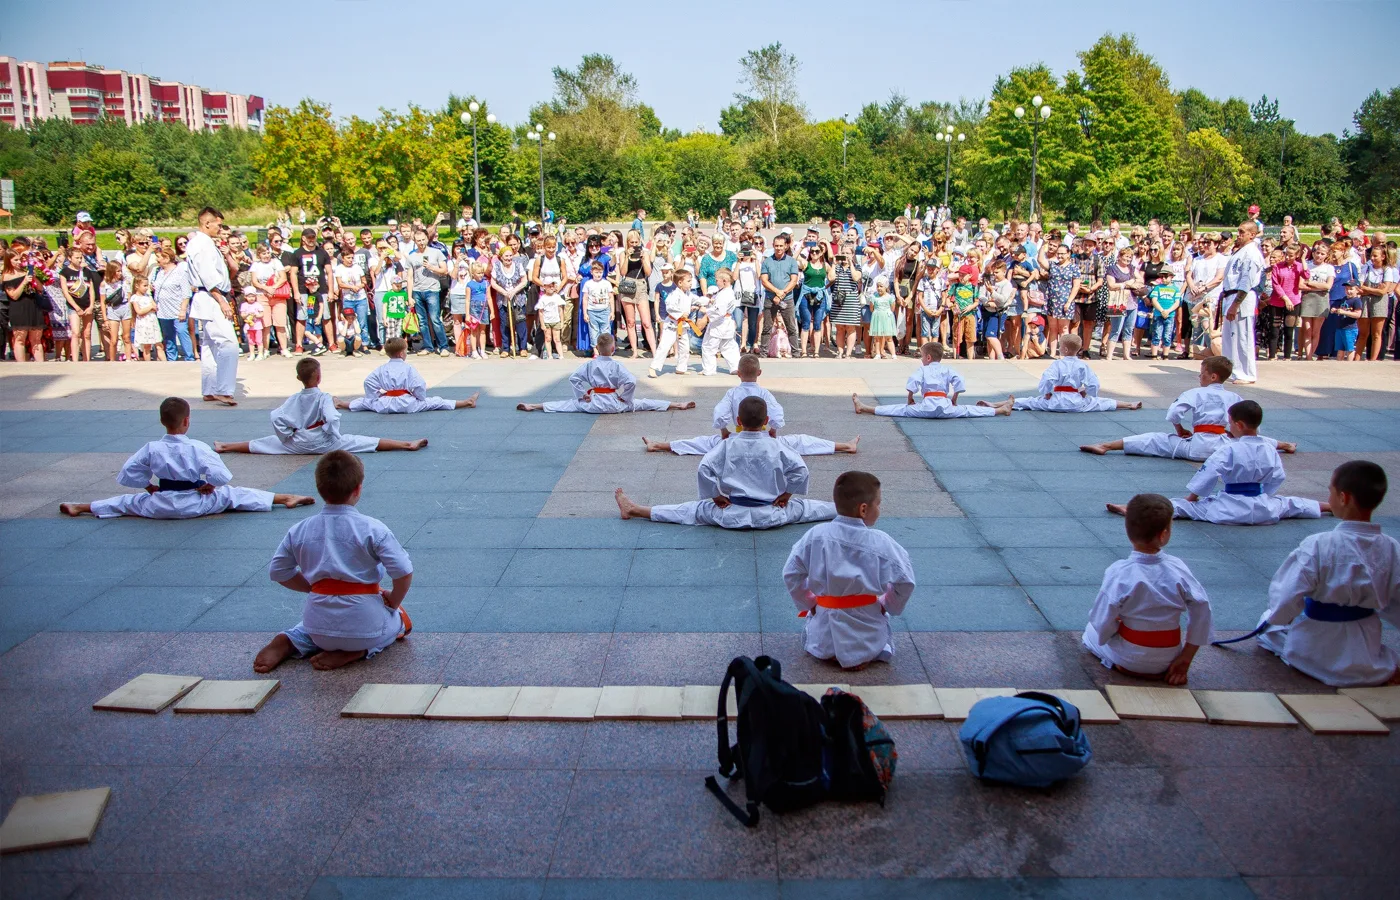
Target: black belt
{"points": [[175, 484]]}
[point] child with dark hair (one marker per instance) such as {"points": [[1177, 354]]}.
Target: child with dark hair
{"points": [[337, 559], [1135, 624], [847, 578], [1327, 600], [1238, 484]]}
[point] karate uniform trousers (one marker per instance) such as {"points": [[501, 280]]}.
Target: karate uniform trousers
{"points": [[405, 403], [184, 504], [218, 357], [1237, 343], [719, 342], [705, 512], [933, 408], [801, 444], [668, 340]]}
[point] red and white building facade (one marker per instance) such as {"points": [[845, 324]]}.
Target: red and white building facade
{"points": [[31, 92]]}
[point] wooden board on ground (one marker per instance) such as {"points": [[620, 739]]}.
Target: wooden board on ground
{"points": [[701, 701], [956, 702], [900, 701], [1382, 702], [473, 703], [818, 691], [556, 704], [1333, 714], [1168, 703], [1243, 708], [391, 701], [148, 693], [1093, 708], [53, 820], [228, 696], [638, 701]]}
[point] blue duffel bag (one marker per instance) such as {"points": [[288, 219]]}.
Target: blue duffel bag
{"points": [[1031, 739]]}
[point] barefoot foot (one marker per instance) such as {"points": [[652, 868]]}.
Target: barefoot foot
{"points": [[470, 402], [628, 509], [292, 501], [418, 444], [334, 659], [1117, 509], [223, 399], [1287, 447], [851, 446], [278, 651], [1161, 676], [655, 446], [1096, 449], [74, 509]]}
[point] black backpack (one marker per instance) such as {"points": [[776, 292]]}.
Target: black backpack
{"points": [[792, 751]]}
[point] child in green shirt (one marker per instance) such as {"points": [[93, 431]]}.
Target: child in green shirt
{"points": [[1165, 299]]}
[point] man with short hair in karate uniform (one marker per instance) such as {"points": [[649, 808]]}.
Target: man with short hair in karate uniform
{"points": [[1328, 599], [397, 387], [1239, 304], [308, 423], [218, 342], [726, 421], [602, 387], [1069, 386], [1251, 472], [1206, 408], [182, 479], [747, 481], [933, 393], [847, 578]]}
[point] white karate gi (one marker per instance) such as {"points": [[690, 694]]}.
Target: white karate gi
{"points": [[719, 334], [1352, 565], [1201, 406], [751, 469], [397, 375], [934, 386], [842, 558], [1242, 272], [618, 384], [308, 423], [727, 413], [176, 457], [1067, 372], [677, 307], [342, 543], [1249, 460], [218, 342], [1146, 592]]}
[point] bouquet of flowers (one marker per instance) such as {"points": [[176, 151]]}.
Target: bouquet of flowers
{"points": [[39, 270]]}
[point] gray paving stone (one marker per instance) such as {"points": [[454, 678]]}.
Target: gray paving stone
{"points": [[568, 567], [559, 608], [938, 607], [724, 608]]}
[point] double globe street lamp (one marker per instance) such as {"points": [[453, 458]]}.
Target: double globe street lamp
{"points": [[469, 118], [946, 136], [537, 133], [1037, 104]]}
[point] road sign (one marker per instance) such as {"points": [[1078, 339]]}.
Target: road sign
{"points": [[7, 194]]}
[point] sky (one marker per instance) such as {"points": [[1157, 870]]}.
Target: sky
{"points": [[361, 55]]}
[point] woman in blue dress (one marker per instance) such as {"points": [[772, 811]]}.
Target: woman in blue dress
{"points": [[1347, 273]]}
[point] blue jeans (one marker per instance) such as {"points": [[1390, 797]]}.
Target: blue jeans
{"points": [[930, 325], [175, 333], [1120, 328], [811, 310], [750, 313], [430, 320], [1163, 329], [519, 337], [361, 308], [597, 324]]}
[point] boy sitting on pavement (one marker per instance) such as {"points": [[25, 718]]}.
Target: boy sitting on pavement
{"points": [[933, 393], [397, 387], [602, 386], [1068, 385]]}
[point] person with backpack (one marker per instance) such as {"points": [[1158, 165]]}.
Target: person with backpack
{"points": [[847, 578], [1135, 624]]}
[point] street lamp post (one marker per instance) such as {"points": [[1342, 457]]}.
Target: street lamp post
{"points": [[468, 118], [844, 142], [537, 133], [1037, 104], [947, 137]]}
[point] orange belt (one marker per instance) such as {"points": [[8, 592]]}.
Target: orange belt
{"points": [[1207, 429], [935, 393], [602, 390], [1169, 638], [850, 601], [396, 392], [335, 587], [1065, 389]]}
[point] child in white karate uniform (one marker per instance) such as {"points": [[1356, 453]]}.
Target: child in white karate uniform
{"points": [[1068, 385], [337, 558], [719, 332], [933, 393], [747, 481], [308, 423], [1205, 407], [1135, 624], [602, 386], [396, 387], [726, 421], [1238, 484], [182, 479], [847, 578], [1328, 599], [675, 327]]}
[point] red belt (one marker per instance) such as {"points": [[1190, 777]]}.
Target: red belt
{"points": [[337, 588], [1207, 429], [317, 424], [1169, 638], [935, 394], [851, 601], [598, 390], [1065, 389], [396, 392]]}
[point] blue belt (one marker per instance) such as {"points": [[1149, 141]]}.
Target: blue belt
{"points": [[749, 502], [1332, 612], [174, 484], [1245, 488]]}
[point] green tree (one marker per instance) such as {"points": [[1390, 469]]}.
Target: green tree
{"points": [[769, 75], [707, 170], [1373, 153], [296, 161], [1210, 172], [119, 187]]}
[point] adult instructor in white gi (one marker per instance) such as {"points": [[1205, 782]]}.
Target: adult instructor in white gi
{"points": [[210, 307], [1240, 303]]}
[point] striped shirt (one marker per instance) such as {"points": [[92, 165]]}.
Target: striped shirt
{"points": [[172, 288]]}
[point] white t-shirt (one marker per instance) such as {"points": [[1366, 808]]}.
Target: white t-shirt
{"points": [[548, 306], [264, 272], [597, 294], [351, 279], [461, 273], [746, 277], [1374, 277], [1320, 272], [1204, 269]]}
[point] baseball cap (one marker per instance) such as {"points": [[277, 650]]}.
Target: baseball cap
{"points": [[308, 232], [1254, 210], [786, 231], [84, 217]]}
